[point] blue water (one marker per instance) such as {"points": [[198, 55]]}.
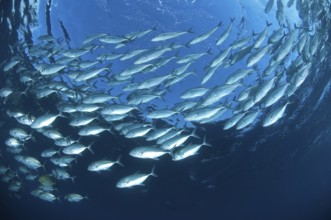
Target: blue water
{"points": [[280, 172]]}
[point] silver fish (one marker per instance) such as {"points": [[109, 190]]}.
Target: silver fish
{"points": [[136, 179]]}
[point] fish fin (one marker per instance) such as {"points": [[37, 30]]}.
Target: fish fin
{"points": [[153, 172], [205, 142], [25, 92], [193, 134], [190, 30], [89, 147], [187, 44], [209, 51], [155, 26], [110, 130], [43, 166], [171, 152], [73, 179], [118, 161]]}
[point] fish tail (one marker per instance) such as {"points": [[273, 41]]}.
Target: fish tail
{"points": [[118, 161], [153, 172], [205, 142]]}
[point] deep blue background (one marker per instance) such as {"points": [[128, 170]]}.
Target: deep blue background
{"points": [[282, 172]]}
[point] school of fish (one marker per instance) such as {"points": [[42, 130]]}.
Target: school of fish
{"points": [[114, 93]]}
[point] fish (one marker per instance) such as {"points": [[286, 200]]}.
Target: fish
{"points": [[188, 151], [117, 109], [290, 3], [148, 152], [280, 13], [136, 179], [276, 36], [221, 57], [90, 74], [49, 152], [61, 174], [214, 117], [225, 34], [5, 92], [20, 134], [45, 120], [177, 141], [248, 104], [248, 119], [210, 72], [261, 37], [269, 6], [298, 78], [74, 53], [184, 106], [98, 98], [194, 93], [238, 75], [202, 113], [47, 196], [103, 165], [132, 54], [204, 36], [180, 70], [157, 133], [302, 42], [93, 37], [62, 161], [52, 133], [138, 132], [275, 95], [87, 108], [152, 55], [108, 57], [162, 113], [29, 161], [263, 89], [240, 43], [156, 92], [274, 115], [286, 47], [13, 142], [192, 57], [170, 35], [81, 120], [175, 80], [12, 63], [74, 197], [139, 34], [50, 69], [108, 39], [136, 69], [156, 81], [258, 55], [92, 130], [218, 93], [233, 120], [77, 149], [240, 54], [143, 98]]}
